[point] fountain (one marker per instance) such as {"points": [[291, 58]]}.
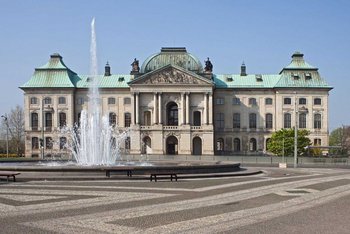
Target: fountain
{"points": [[94, 141]]}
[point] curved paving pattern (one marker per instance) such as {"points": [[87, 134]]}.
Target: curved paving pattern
{"points": [[273, 202]]}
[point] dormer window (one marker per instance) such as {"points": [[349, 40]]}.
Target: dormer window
{"points": [[295, 76], [258, 78], [229, 79], [308, 76], [120, 79], [89, 79]]}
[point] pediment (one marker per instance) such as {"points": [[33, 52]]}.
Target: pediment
{"points": [[171, 75]]}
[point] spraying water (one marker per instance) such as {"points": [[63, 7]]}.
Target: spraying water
{"points": [[94, 140]]}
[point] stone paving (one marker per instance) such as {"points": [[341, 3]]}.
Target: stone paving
{"points": [[277, 201]]}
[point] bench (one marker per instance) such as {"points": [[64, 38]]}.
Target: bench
{"points": [[128, 172], [154, 175], [9, 174]]}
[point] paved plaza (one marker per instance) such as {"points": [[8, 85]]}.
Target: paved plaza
{"points": [[299, 200]]}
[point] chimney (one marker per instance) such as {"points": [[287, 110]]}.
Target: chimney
{"points": [[107, 70], [243, 70]]}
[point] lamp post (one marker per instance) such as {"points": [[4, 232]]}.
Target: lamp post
{"points": [[295, 132], [42, 142], [7, 134]]}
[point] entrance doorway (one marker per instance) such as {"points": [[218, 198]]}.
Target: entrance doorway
{"points": [[197, 146], [171, 145]]}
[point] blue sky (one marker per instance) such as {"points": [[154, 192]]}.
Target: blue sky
{"points": [[263, 34]]}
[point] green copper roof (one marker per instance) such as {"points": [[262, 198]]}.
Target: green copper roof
{"points": [[112, 81], [248, 81], [55, 74], [287, 80], [298, 63], [172, 55]]}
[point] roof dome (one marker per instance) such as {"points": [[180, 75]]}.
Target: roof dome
{"points": [[172, 55]]}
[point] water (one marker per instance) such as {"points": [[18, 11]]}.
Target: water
{"points": [[94, 141]]}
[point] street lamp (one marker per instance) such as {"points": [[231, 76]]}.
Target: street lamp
{"points": [[7, 134], [295, 131], [42, 141]]}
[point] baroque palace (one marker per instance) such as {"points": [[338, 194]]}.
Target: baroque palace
{"points": [[173, 104]]}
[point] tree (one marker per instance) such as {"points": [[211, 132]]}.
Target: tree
{"points": [[15, 121], [283, 141], [340, 137]]}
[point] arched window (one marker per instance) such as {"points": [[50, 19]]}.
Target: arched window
{"points": [[236, 120], [62, 119], [63, 143], [252, 144], [287, 101], [236, 145], [61, 100], [220, 144], [268, 121], [147, 118], [302, 101], [48, 121], [252, 120], [268, 101], [35, 143], [302, 120], [197, 118], [111, 100], [172, 114], [112, 119], [287, 123], [35, 121], [317, 121], [127, 119]]}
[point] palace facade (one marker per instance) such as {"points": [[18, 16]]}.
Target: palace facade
{"points": [[173, 104]]}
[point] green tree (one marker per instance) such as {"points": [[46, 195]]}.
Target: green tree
{"points": [[283, 140], [340, 137]]}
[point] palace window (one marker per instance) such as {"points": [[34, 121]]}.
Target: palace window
{"points": [[112, 119], [220, 101], [48, 121], [127, 101], [287, 101], [317, 101], [317, 141], [268, 101], [62, 119], [127, 143], [220, 120], [63, 143], [252, 101], [127, 120], [317, 121], [49, 143], [111, 100], [252, 120], [80, 101], [61, 100], [220, 144], [236, 101], [236, 145], [287, 123], [35, 121], [252, 144], [302, 101], [47, 100], [35, 143], [236, 120], [33, 100], [268, 121], [302, 120]]}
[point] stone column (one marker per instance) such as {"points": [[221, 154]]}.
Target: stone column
{"points": [[160, 121], [210, 110], [155, 108], [205, 112], [132, 109], [137, 109], [187, 108], [182, 108]]}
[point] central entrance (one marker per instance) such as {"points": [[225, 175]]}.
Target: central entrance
{"points": [[171, 145]]}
